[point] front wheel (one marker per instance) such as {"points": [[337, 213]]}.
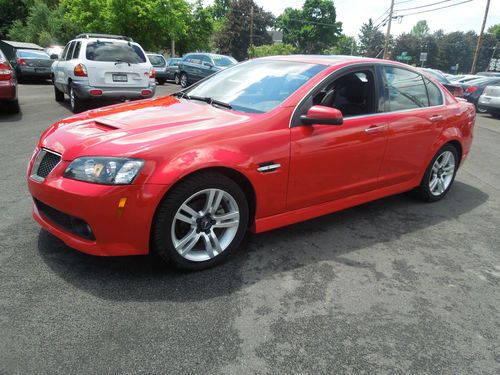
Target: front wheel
{"points": [[200, 222], [161, 81], [184, 80], [440, 174], [59, 95], [176, 79]]}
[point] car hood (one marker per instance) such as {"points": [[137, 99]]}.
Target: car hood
{"points": [[139, 128]]}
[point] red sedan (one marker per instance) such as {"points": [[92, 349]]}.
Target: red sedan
{"points": [[8, 85], [264, 144]]}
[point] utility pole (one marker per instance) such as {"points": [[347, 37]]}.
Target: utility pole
{"points": [[388, 34], [251, 27], [480, 39], [172, 47]]}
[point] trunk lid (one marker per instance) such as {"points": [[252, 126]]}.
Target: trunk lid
{"points": [[117, 74], [38, 63]]}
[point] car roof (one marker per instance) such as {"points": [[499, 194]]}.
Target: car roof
{"points": [[326, 59]]}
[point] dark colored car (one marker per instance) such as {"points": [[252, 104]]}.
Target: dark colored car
{"points": [[31, 64], [456, 90], [474, 89], [172, 69], [8, 85], [196, 66], [160, 65]]}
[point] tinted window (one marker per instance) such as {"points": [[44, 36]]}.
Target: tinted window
{"points": [[435, 95], [205, 59], [156, 60], [63, 53], [173, 62], [76, 52], [405, 89], [256, 86], [220, 60], [115, 51], [70, 51], [33, 55]]}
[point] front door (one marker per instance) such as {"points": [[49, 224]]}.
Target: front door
{"points": [[331, 162]]}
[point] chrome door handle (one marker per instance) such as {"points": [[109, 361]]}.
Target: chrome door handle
{"points": [[374, 129], [436, 118]]}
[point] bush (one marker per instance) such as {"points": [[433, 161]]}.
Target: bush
{"points": [[271, 50]]}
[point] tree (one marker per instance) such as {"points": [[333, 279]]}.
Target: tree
{"points": [[200, 26], [421, 29], [495, 31], [234, 37], [10, 11], [371, 40], [311, 29], [271, 50]]}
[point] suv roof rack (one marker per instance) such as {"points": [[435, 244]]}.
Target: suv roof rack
{"points": [[104, 36]]}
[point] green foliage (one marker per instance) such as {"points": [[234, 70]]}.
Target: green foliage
{"points": [[421, 29], [11, 11], [371, 40], [200, 28], [234, 36], [311, 29], [271, 50], [495, 31], [346, 45]]}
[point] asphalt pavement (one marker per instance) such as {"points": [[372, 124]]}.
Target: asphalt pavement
{"points": [[393, 286]]}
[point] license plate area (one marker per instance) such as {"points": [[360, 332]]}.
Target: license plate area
{"points": [[120, 78]]}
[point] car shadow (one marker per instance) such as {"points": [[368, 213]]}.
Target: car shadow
{"points": [[6, 116], [261, 256]]}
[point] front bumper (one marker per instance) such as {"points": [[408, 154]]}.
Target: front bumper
{"points": [[82, 90], [115, 231]]}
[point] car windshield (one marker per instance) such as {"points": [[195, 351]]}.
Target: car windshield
{"points": [[256, 86], [223, 61], [157, 60], [33, 55], [115, 51]]}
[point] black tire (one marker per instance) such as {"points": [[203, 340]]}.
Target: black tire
{"points": [[161, 238], [184, 80], [161, 81], [13, 106], [76, 104], [424, 190], [176, 79], [59, 95]]}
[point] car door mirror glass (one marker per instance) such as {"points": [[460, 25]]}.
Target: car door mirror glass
{"points": [[322, 115]]}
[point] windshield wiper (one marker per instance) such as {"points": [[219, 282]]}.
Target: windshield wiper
{"points": [[118, 61], [205, 99]]}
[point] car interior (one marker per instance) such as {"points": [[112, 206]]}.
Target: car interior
{"points": [[353, 94]]}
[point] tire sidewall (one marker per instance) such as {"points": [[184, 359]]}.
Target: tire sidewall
{"points": [[161, 233], [424, 186], [186, 82]]}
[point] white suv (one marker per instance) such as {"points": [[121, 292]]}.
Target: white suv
{"points": [[103, 67]]}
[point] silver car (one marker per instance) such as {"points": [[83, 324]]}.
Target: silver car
{"points": [[490, 100]]}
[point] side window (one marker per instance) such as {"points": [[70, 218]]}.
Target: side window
{"points": [[405, 89], [435, 95], [70, 51], [64, 52], [76, 52], [206, 60], [353, 94]]}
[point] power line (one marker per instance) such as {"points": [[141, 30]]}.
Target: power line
{"points": [[432, 10], [424, 6]]}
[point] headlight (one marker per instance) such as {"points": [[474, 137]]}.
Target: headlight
{"points": [[104, 170]]}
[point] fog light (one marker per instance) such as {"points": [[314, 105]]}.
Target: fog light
{"points": [[95, 92], [146, 92]]}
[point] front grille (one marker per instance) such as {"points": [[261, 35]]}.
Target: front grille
{"points": [[68, 222], [45, 162]]}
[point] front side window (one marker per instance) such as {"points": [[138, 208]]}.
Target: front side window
{"points": [[405, 89], [70, 51], [256, 86], [112, 51], [76, 52]]}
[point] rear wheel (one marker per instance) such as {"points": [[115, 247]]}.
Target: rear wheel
{"points": [[184, 80], [76, 104], [13, 106], [200, 222], [440, 174], [161, 81], [59, 95]]}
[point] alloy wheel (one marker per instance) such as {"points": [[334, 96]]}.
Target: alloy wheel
{"points": [[442, 172], [205, 225]]}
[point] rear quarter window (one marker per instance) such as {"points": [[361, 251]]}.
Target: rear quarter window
{"points": [[114, 51], [435, 95]]}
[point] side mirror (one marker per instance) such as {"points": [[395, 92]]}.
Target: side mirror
{"points": [[54, 56], [322, 115]]}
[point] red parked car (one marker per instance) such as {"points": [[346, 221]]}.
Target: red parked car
{"points": [[264, 144], [8, 85]]}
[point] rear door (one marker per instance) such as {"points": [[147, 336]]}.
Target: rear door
{"points": [[113, 63]]}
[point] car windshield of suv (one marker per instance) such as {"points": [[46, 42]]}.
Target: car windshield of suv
{"points": [[156, 60], [33, 55], [256, 86], [223, 61], [115, 51]]}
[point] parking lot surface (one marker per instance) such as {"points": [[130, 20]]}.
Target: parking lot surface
{"points": [[393, 286]]}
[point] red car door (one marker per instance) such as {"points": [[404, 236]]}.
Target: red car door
{"points": [[332, 162], [415, 113]]}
